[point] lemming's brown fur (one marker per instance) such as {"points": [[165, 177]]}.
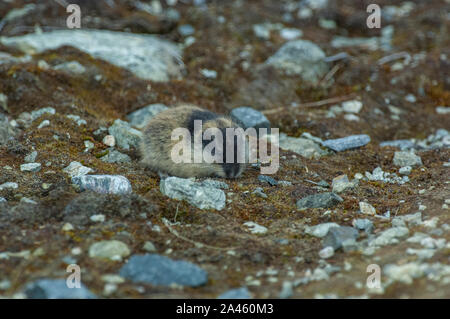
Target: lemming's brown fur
{"points": [[156, 145]]}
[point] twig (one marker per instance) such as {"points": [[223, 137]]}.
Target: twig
{"points": [[311, 104], [196, 243], [330, 74]]}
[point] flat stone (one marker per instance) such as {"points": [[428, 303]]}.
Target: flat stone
{"points": [[162, 271], [30, 158], [77, 169], [147, 56], [104, 184], [341, 184], [238, 293], [301, 146], [407, 159], [323, 200], [109, 140], [109, 249], [248, 117], [347, 143], [30, 167], [197, 194], [125, 135], [301, 58], [141, 117], [267, 179], [56, 289], [114, 156]]}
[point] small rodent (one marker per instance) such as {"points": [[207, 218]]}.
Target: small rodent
{"points": [[157, 144]]}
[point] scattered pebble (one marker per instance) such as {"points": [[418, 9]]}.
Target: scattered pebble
{"points": [[30, 158], [347, 143], [353, 106], [267, 179], [9, 185]]}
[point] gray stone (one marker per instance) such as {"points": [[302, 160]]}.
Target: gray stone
{"points": [[77, 169], [141, 117], [147, 56], [407, 159], [248, 117], [38, 113], [347, 143], [109, 249], [9, 185], [323, 200], [104, 184], [238, 293], [162, 271], [200, 195], [30, 158], [125, 135], [363, 224], [267, 179], [56, 289], [337, 235], [320, 230], [3, 200], [341, 184], [300, 58], [115, 156], [215, 184], [301, 146], [30, 167]]}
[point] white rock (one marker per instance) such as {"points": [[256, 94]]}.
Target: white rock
{"points": [[353, 106], [77, 169], [366, 208], [327, 252], [109, 140], [30, 167], [109, 249], [255, 228]]}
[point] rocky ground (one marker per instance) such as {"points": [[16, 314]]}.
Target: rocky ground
{"points": [[72, 191]]}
